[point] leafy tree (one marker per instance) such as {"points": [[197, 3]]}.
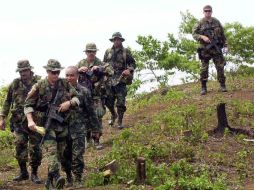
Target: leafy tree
{"points": [[179, 52]]}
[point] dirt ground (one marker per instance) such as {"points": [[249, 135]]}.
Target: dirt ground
{"points": [[143, 116]]}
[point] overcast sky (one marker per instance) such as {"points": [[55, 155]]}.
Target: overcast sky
{"points": [[40, 30]]}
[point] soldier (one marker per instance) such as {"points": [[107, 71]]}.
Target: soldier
{"points": [[49, 91], [123, 64], [93, 75], [78, 120], [210, 34], [14, 102]]}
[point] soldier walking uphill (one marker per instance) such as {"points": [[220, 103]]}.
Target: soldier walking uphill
{"points": [[78, 120], [94, 75], [209, 32], [14, 102], [123, 64], [51, 92]]}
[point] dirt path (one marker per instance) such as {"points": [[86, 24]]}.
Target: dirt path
{"points": [[143, 116], [7, 175]]}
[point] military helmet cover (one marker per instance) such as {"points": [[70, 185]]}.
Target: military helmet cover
{"points": [[23, 65], [53, 65], [91, 47], [208, 7], [116, 35]]}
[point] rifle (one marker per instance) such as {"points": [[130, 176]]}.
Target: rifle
{"points": [[52, 114], [87, 78], [216, 42]]}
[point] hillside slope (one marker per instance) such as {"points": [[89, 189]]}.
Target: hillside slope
{"points": [[169, 127]]}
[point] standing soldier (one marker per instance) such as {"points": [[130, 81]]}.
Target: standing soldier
{"points": [[93, 75], [210, 34], [50, 97], [78, 122], [15, 100], [123, 64]]}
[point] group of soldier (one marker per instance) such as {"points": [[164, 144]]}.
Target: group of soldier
{"points": [[71, 109]]}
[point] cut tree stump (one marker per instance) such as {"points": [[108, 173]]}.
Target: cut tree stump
{"points": [[141, 170], [223, 124]]}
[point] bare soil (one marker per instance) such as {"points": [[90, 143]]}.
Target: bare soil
{"points": [[142, 116]]}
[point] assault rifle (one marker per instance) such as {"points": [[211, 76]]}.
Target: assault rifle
{"points": [[87, 78], [215, 43], [52, 113]]}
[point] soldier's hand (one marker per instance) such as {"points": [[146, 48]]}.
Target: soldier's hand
{"points": [[31, 125], [225, 50], [83, 69], [205, 39], [94, 68], [64, 106], [126, 72]]}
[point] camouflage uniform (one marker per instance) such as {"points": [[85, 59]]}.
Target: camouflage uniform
{"points": [[96, 83], [78, 120], [120, 59], [14, 103], [213, 29], [37, 102]]}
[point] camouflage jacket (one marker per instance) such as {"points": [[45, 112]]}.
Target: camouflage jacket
{"points": [[98, 80], [120, 59], [79, 117], [15, 99], [211, 28], [42, 95]]}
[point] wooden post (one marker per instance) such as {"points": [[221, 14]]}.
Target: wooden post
{"points": [[141, 170]]}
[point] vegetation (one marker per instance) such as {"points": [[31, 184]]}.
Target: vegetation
{"points": [[170, 126]]}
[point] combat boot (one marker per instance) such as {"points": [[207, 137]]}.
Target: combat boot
{"points": [[58, 181], [69, 179], [49, 181], [113, 118], [203, 88], [120, 121], [78, 181], [223, 87], [34, 177], [23, 173], [96, 139]]}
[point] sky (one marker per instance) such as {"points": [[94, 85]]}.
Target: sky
{"points": [[40, 30]]}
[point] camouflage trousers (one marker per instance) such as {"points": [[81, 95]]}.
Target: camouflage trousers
{"points": [[55, 144], [117, 94], [28, 143], [219, 61], [73, 154]]}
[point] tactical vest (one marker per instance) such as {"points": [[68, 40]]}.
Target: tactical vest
{"points": [[120, 68]]}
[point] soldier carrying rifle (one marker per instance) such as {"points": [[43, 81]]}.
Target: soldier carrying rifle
{"points": [[14, 102], [210, 34]]}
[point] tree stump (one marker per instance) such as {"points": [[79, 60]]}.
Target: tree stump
{"points": [[141, 170], [222, 119], [223, 123]]}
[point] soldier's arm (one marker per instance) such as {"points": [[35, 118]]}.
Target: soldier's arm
{"points": [[224, 39], [30, 104], [7, 102], [196, 33], [74, 101], [130, 61]]}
